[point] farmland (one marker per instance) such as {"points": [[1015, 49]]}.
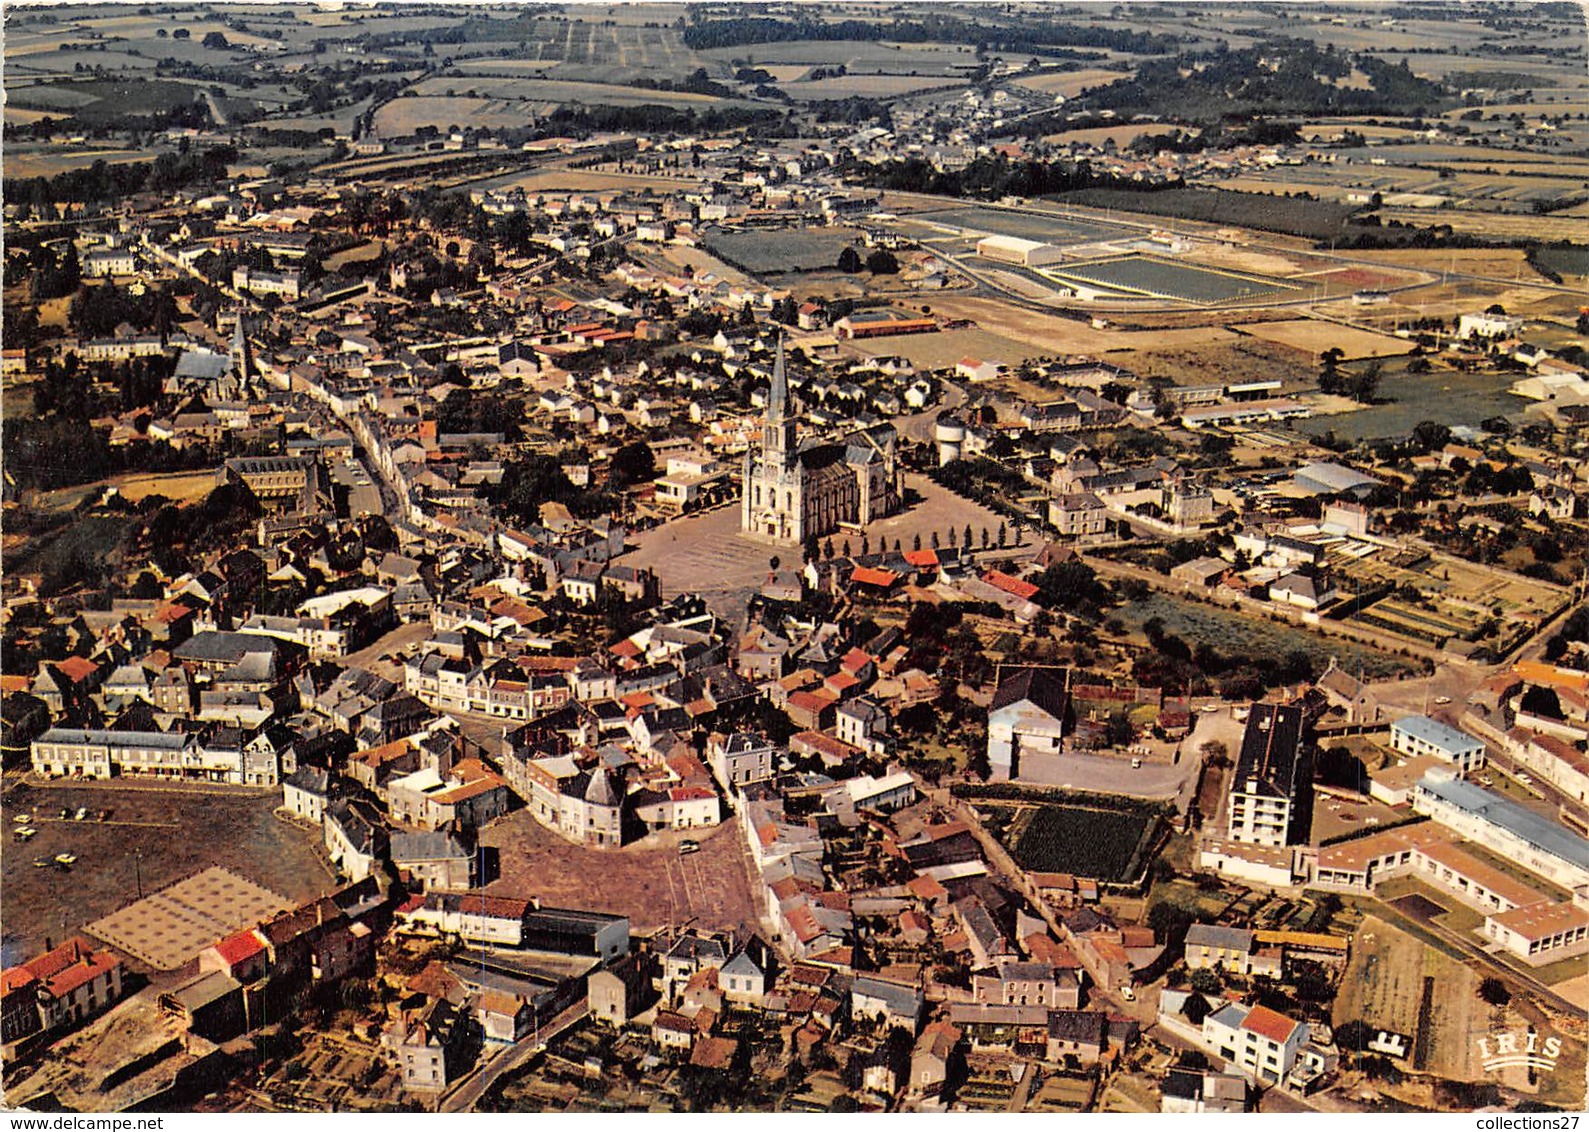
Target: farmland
{"points": [[1313, 219], [405, 115], [866, 86], [1068, 84], [1406, 398], [944, 349], [1103, 844], [559, 90], [99, 100], [1166, 279], [49, 162], [773, 253], [1312, 337]]}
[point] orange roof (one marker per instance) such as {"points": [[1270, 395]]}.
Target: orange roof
{"points": [[868, 576], [922, 559], [1047, 949], [239, 946], [1551, 675], [77, 668], [375, 756], [1269, 1024], [857, 658], [63, 970], [812, 701], [998, 579]]}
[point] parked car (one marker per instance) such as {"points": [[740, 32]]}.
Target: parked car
{"points": [[688, 847]]}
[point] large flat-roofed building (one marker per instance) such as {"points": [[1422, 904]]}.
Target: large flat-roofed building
{"points": [[1519, 834], [1271, 794], [595, 934], [1418, 735], [1013, 249], [1541, 933]]}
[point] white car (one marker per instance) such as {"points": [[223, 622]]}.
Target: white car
{"points": [[1442, 700]]}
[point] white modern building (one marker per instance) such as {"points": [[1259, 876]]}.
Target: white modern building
{"points": [[1419, 735]]}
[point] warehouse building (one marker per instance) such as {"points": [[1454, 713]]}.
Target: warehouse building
{"points": [[1012, 249]]}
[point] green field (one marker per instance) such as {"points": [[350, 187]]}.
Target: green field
{"points": [[1103, 844], [1408, 398], [773, 253], [98, 100], [1234, 634], [1165, 279], [1055, 229]]}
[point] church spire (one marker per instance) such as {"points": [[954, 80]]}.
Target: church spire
{"points": [[242, 350], [778, 437], [778, 395]]}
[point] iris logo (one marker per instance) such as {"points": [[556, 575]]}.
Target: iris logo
{"points": [[1509, 1049]]}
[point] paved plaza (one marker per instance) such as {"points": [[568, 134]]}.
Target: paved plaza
{"points": [[707, 554]]}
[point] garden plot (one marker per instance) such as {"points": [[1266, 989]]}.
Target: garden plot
{"points": [[1106, 844]]}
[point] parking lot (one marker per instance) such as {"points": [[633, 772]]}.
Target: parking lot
{"points": [[155, 835]]}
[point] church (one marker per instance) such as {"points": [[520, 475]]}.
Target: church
{"points": [[795, 493]]}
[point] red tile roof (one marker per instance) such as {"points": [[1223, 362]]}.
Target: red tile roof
{"points": [[239, 946], [77, 668], [1002, 581], [63, 970], [871, 577], [1267, 1023]]}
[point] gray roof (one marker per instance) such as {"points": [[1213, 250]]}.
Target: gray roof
{"points": [[204, 990], [148, 740], [901, 1000], [428, 846], [1525, 824], [1212, 935], [1437, 734], [1043, 687]]}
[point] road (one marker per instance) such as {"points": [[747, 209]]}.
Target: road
{"points": [[215, 109], [920, 426], [468, 1092]]}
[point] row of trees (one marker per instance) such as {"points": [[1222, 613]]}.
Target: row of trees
{"points": [[102, 182]]}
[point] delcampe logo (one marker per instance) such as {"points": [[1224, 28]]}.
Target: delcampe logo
{"points": [[1508, 1049]]}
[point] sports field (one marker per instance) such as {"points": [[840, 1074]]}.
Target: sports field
{"points": [[1059, 230], [1165, 279]]}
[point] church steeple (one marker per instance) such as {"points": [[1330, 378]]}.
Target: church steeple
{"points": [[778, 437], [242, 351]]}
